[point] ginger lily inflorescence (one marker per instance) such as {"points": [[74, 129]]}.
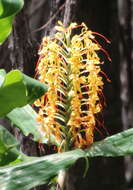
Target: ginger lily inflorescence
{"points": [[70, 66]]}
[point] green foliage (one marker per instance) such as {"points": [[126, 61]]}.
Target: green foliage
{"points": [[12, 92], [6, 28], [8, 148], [36, 171], [116, 145], [8, 9], [35, 89], [18, 90], [25, 119], [27, 123]]}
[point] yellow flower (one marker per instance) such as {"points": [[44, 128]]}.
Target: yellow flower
{"points": [[70, 66]]}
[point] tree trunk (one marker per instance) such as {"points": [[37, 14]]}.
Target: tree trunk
{"points": [[126, 71]]}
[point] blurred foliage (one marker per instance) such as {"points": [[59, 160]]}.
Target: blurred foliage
{"points": [[8, 9]]}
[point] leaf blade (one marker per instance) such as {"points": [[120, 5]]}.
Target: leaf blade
{"points": [[17, 90], [35, 89], [25, 119], [8, 147], [12, 92], [10, 7], [36, 171], [116, 145], [6, 28]]}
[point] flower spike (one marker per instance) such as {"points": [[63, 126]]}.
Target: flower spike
{"points": [[70, 65]]}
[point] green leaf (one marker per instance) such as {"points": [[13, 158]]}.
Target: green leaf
{"points": [[12, 92], [10, 7], [120, 144], [35, 89], [10, 153], [5, 28], [36, 171], [25, 119], [17, 90], [8, 147]]}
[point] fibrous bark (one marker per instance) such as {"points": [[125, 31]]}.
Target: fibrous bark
{"points": [[71, 9], [126, 71], [24, 52]]}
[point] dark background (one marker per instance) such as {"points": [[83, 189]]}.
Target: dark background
{"points": [[112, 18]]}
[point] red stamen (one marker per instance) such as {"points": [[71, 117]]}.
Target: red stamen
{"points": [[94, 40], [106, 39], [102, 63], [77, 26], [37, 64], [102, 102], [106, 53], [36, 75], [105, 76], [45, 99], [99, 131], [102, 125]]}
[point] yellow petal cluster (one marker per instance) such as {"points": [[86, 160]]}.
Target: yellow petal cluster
{"points": [[70, 65]]}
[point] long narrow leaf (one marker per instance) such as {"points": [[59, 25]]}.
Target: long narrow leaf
{"points": [[37, 171], [120, 144]]}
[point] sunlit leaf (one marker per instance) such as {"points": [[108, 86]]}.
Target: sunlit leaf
{"points": [[25, 119], [5, 28], [39, 171], [120, 144], [12, 92], [17, 90], [8, 9]]}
